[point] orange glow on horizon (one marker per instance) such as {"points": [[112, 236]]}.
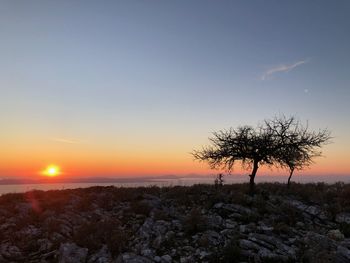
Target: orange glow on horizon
{"points": [[95, 164]]}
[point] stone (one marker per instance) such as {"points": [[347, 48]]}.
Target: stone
{"points": [[277, 244], [169, 235], [318, 247], [214, 221], [157, 259], [345, 243], [10, 252], [248, 245], [229, 223], [218, 205], [234, 208], [166, 259], [176, 225], [147, 253], [152, 201], [335, 234], [300, 224], [160, 227], [44, 244], [146, 229], [312, 210], [188, 248], [213, 237], [102, 256], [343, 218], [342, 254], [132, 258], [228, 233], [157, 242], [71, 253], [204, 254], [242, 228]]}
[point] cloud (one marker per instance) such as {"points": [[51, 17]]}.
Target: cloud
{"points": [[64, 140], [282, 68]]}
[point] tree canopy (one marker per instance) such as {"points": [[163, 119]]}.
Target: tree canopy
{"points": [[281, 142], [297, 145]]}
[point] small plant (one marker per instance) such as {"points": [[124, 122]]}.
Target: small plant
{"points": [[219, 181], [160, 215], [93, 235], [204, 241], [140, 208], [84, 203], [232, 251], [345, 229], [194, 222], [289, 214], [281, 228]]}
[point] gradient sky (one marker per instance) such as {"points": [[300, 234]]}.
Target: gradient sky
{"points": [[132, 87]]}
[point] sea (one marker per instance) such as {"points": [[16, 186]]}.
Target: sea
{"points": [[166, 182]]}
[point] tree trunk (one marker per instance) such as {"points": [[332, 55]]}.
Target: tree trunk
{"points": [[290, 176], [252, 177]]}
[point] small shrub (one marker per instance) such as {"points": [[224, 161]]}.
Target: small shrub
{"points": [[241, 198], [204, 241], [281, 228], [93, 235], [249, 218], [140, 208], [232, 252], [345, 229], [106, 201], [219, 181], [332, 210], [194, 222], [160, 215], [84, 203], [260, 204], [289, 214], [52, 225]]}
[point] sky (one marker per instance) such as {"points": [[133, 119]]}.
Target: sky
{"points": [[125, 88]]}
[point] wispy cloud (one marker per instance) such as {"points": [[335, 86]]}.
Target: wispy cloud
{"points": [[65, 140], [282, 68]]}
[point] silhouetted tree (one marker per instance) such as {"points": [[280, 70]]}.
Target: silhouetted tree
{"points": [[296, 145], [281, 142], [294, 159], [253, 147]]}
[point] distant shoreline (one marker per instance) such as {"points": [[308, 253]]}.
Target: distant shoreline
{"points": [[174, 178]]}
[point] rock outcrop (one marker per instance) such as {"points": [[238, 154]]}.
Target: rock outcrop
{"points": [[175, 224]]}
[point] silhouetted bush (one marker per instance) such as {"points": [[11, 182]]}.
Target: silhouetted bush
{"points": [[194, 222], [140, 208], [84, 203], [93, 235]]}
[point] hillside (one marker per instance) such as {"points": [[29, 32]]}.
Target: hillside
{"points": [[201, 223]]}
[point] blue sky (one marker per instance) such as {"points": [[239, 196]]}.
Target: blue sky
{"points": [[169, 72]]}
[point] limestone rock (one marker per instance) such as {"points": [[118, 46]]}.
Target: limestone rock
{"points": [[71, 253]]}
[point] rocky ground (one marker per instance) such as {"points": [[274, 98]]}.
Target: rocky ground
{"points": [[202, 223]]}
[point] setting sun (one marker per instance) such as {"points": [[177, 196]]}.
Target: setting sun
{"points": [[52, 170]]}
